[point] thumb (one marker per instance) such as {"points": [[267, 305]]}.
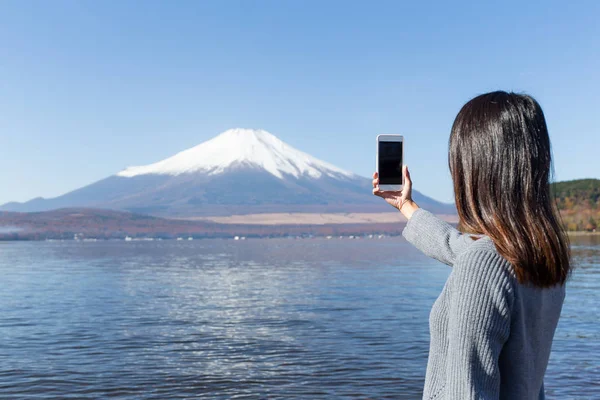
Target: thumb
{"points": [[407, 181]]}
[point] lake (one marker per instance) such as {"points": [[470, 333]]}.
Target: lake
{"points": [[260, 318]]}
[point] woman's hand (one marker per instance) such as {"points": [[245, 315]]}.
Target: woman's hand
{"points": [[399, 199]]}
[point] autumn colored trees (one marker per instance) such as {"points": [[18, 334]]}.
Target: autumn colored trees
{"points": [[579, 203]]}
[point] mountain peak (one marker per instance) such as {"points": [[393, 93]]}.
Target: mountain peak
{"points": [[245, 132], [248, 139], [238, 148]]}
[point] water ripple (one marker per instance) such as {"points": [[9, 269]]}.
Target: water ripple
{"points": [[245, 320]]}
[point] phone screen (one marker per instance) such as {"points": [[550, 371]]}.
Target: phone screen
{"points": [[390, 163]]}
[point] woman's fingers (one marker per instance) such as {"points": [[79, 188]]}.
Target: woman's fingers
{"points": [[391, 196], [376, 190]]}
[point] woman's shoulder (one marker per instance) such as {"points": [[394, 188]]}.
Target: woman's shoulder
{"points": [[479, 267], [481, 254]]}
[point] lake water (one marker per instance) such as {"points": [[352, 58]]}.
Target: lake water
{"points": [[249, 319]]}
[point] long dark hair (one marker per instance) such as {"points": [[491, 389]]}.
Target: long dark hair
{"points": [[501, 163]]}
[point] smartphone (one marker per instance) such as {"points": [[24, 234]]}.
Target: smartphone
{"points": [[390, 159]]}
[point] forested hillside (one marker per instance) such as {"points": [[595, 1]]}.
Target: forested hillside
{"points": [[579, 203]]}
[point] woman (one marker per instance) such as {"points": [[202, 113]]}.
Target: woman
{"points": [[492, 325]]}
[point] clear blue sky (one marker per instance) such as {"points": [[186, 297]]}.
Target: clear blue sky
{"points": [[90, 87]]}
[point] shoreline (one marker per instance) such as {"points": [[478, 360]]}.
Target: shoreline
{"points": [[583, 233], [299, 219]]}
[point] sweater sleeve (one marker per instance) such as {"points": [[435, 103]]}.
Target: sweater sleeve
{"points": [[434, 237], [481, 297]]}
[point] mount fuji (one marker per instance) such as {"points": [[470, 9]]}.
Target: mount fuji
{"points": [[240, 171]]}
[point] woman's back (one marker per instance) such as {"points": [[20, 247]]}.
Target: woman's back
{"points": [[525, 356]]}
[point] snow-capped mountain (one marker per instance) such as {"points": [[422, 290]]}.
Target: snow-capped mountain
{"points": [[240, 171], [241, 147]]}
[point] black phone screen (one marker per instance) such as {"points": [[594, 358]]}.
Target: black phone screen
{"points": [[390, 163]]}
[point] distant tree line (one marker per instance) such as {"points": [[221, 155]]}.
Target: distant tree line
{"points": [[579, 203]]}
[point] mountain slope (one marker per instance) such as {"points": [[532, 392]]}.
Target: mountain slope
{"points": [[241, 171]]}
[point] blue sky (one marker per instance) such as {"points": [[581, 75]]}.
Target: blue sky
{"points": [[88, 88]]}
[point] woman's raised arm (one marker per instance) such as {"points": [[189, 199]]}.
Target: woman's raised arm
{"points": [[431, 235]]}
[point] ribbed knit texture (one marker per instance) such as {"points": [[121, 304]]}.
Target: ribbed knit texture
{"points": [[490, 336]]}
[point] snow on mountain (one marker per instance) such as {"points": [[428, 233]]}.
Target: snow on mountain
{"points": [[241, 147]]}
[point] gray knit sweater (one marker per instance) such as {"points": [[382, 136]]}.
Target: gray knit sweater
{"points": [[490, 335]]}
